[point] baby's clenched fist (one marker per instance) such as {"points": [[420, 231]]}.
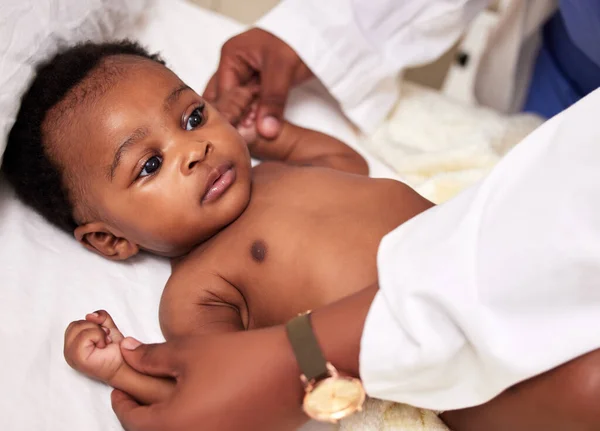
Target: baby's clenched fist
{"points": [[92, 346]]}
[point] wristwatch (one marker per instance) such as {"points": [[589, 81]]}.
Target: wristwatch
{"points": [[329, 396]]}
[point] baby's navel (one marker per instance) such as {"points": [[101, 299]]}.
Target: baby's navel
{"points": [[258, 250]]}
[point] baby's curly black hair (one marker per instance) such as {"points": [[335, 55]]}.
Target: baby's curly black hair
{"points": [[37, 180]]}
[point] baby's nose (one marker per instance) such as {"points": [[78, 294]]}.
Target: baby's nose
{"points": [[195, 156]]}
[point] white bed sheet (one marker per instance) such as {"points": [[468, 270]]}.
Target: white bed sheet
{"points": [[48, 280]]}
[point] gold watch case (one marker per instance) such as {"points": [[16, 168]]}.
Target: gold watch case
{"points": [[334, 397]]}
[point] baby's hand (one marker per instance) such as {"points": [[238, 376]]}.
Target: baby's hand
{"points": [[235, 103], [92, 346], [247, 125]]}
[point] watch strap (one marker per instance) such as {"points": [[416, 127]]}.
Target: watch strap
{"points": [[306, 348]]}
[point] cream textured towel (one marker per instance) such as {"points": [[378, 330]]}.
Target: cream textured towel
{"points": [[388, 416], [440, 146]]}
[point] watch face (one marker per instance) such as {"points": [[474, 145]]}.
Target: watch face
{"points": [[334, 398]]}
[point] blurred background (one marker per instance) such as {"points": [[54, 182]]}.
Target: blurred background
{"points": [[245, 11], [248, 11]]}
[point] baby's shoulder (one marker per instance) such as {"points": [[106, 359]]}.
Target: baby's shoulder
{"points": [[191, 291], [189, 270], [275, 170], [274, 176]]}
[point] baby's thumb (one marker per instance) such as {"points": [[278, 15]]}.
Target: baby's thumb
{"points": [[107, 321], [152, 359]]}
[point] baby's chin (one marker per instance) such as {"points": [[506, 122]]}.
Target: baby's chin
{"points": [[176, 249], [189, 236], [172, 251]]}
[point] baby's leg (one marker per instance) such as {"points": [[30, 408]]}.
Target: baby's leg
{"points": [[565, 398]]}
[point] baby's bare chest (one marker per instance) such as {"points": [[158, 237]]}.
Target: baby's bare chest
{"points": [[300, 246], [287, 262]]}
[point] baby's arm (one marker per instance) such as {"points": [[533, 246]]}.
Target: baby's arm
{"points": [[193, 302], [294, 145], [299, 146], [92, 347]]}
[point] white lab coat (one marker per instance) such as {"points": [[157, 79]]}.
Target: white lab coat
{"points": [[497, 285], [357, 48]]}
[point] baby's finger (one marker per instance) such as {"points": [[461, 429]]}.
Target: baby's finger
{"points": [[98, 317], [250, 116], [101, 317], [246, 95], [95, 318], [90, 338], [253, 110], [82, 346], [253, 88], [108, 322], [75, 328]]}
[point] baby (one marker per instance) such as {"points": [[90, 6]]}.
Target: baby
{"points": [[111, 145]]}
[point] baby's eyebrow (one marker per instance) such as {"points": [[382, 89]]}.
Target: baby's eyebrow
{"points": [[174, 95], [139, 134]]}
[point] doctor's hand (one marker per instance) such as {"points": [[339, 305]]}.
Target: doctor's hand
{"points": [[247, 380], [227, 381], [259, 54]]}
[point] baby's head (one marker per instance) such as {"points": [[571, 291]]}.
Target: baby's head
{"points": [[111, 145]]}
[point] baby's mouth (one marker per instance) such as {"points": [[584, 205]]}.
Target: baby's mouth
{"points": [[218, 181]]}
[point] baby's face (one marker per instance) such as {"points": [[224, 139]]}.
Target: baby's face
{"points": [[159, 166]]}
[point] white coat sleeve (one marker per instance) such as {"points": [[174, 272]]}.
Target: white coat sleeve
{"points": [[358, 47], [497, 285]]}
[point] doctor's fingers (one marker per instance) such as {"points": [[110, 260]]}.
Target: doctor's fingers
{"points": [[276, 82], [239, 62], [252, 54], [136, 417], [233, 72], [281, 71], [158, 360]]}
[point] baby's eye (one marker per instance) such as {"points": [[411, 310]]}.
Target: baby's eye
{"points": [[195, 119], [152, 165]]}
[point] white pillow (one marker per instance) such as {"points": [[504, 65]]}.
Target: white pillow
{"points": [[32, 30]]}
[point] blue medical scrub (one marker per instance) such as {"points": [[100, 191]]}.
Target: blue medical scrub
{"points": [[568, 65]]}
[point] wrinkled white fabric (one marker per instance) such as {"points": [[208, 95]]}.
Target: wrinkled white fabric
{"points": [[31, 31]]}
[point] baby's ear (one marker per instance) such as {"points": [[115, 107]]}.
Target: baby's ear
{"points": [[97, 237]]}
